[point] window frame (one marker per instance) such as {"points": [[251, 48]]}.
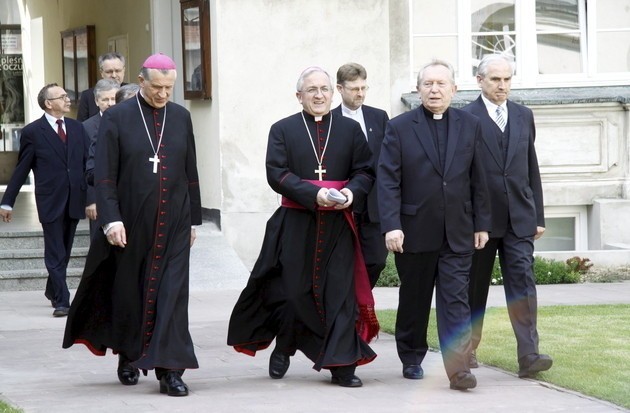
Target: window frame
{"points": [[526, 44], [580, 226]]}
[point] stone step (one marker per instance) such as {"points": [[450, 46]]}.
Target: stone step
{"points": [[22, 264], [33, 280], [29, 259], [35, 240]]}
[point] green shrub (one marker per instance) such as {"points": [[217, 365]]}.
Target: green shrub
{"points": [[546, 271], [389, 276], [554, 272]]}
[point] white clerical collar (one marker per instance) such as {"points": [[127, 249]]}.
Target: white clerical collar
{"points": [[349, 112]]}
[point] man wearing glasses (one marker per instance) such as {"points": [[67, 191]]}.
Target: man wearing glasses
{"points": [[112, 66], [352, 86], [55, 148], [309, 289]]}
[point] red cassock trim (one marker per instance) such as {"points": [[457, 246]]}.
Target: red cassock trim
{"points": [[367, 324]]}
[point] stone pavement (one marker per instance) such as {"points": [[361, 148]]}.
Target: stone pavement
{"points": [[38, 376]]}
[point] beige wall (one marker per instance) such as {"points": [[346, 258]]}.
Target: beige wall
{"points": [[44, 20]]}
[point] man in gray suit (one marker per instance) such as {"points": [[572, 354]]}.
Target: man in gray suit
{"points": [[516, 200]]}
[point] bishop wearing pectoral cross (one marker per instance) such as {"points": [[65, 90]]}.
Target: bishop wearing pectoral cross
{"points": [[314, 229], [148, 200]]}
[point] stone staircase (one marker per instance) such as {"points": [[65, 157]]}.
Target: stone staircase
{"points": [[22, 260]]}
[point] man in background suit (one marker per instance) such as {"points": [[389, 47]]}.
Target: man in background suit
{"points": [[104, 97], [433, 200], [55, 148], [112, 66], [516, 198], [352, 86]]}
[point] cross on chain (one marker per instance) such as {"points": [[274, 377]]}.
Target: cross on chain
{"points": [[156, 161], [319, 171]]}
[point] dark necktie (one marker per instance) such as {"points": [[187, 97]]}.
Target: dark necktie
{"points": [[60, 131]]}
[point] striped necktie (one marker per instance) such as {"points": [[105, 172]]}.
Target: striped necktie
{"points": [[499, 119]]}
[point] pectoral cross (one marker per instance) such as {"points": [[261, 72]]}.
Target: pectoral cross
{"points": [[156, 161], [319, 171]]}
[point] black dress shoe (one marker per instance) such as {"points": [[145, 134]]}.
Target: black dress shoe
{"points": [[413, 371], [127, 374], [278, 364], [347, 381], [60, 311], [533, 364], [463, 381], [173, 385], [472, 360]]}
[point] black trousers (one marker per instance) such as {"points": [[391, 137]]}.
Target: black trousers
{"points": [[373, 247], [58, 239], [419, 273], [516, 257]]}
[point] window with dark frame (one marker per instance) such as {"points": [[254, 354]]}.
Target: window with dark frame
{"points": [[78, 49], [195, 22]]}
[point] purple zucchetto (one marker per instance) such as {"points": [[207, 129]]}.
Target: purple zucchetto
{"points": [[159, 61]]}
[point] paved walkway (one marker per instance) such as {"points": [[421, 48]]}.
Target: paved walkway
{"points": [[38, 376]]}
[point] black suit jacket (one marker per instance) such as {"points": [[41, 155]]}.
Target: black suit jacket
{"points": [[91, 128], [87, 105], [418, 197], [375, 122], [515, 185], [58, 169]]}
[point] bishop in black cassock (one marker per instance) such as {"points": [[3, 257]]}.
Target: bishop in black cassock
{"points": [[133, 296], [309, 288]]}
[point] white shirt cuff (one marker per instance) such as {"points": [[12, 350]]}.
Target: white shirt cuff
{"points": [[109, 226]]}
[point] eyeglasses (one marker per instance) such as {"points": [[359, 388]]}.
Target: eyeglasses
{"points": [[357, 89], [315, 90], [60, 97]]}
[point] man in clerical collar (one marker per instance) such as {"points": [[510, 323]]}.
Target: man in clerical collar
{"points": [[309, 289], [352, 86], [433, 202], [133, 296]]}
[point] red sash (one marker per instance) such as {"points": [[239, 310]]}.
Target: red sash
{"points": [[367, 323]]}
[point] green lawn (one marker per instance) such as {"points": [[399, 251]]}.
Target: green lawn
{"points": [[6, 408], [590, 346]]}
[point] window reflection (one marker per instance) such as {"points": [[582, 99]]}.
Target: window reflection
{"points": [[559, 235], [493, 29], [192, 49], [557, 15], [560, 47], [68, 65]]}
